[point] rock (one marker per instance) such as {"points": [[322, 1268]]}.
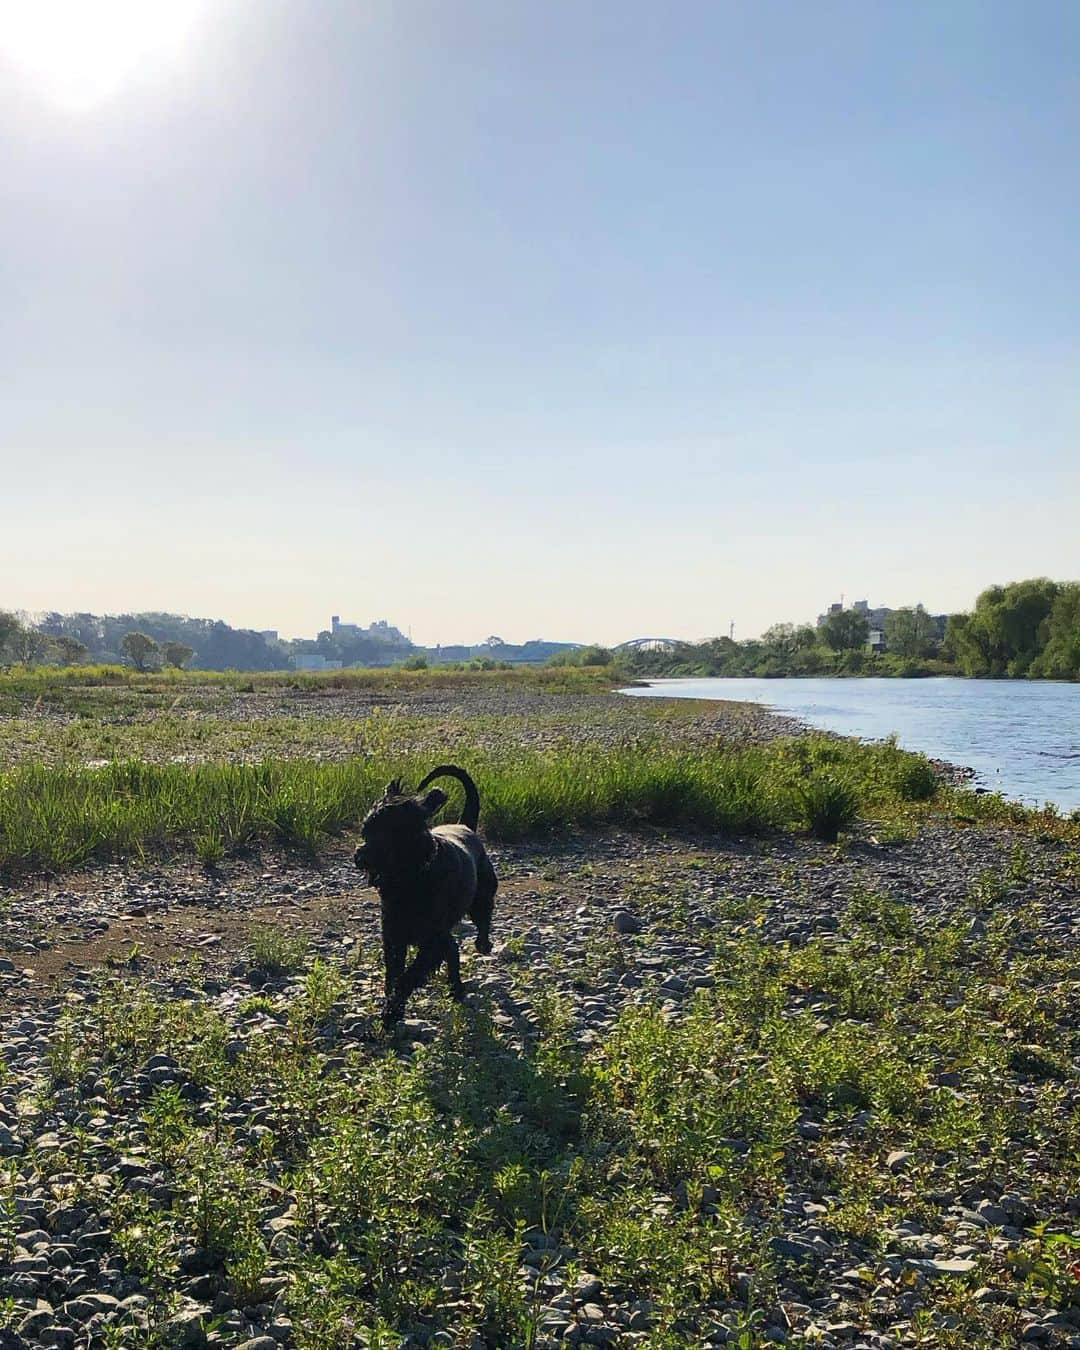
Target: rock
{"points": [[88, 1305], [625, 922], [259, 1343], [35, 1322], [792, 1249], [1020, 1210], [993, 1214], [956, 1266], [186, 1329], [898, 1160], [63, 1338], [129, 1167]]}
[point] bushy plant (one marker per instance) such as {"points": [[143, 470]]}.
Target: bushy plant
{"points": [[276, 953], [830, 805]]}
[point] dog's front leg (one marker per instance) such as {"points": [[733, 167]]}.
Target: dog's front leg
{"points": [[426, 962], [395, 949]]}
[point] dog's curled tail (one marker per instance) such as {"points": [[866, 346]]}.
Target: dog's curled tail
{"points": [[471, 815]]}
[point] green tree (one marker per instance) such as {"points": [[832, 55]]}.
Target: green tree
{"points": [[142, 651], [846, 630], [591, 656], [910, 632], [789, 637], [1060, 658], [177, 654], [69, 651], [1007, 630], [9, 628], [969, 644], [26, 643]]}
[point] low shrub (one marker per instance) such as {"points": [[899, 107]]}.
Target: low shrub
{"points": [[830, 805], [276, 953]]}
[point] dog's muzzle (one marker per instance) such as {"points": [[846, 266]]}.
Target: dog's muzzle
{"points": [[366, 863]]}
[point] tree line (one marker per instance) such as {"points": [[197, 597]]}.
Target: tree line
{"points": [[154, 641], [1026, 629]]}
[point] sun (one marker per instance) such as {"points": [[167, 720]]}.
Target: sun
{"points": [[82, 52]]}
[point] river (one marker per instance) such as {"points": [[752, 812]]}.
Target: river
{"points": [[1021, 737]]}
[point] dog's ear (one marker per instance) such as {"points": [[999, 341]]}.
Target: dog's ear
{"points": [[434, 801], [393, 788]]}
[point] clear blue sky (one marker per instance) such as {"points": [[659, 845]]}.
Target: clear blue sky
{"points": [[549, 319]]}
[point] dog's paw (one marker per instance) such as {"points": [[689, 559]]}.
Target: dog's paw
{"points": [[483, 945]]}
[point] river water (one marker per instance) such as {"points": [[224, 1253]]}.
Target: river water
{"points": [[1022, 738]]}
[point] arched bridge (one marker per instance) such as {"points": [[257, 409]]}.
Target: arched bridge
{"points": [[649, 644]]}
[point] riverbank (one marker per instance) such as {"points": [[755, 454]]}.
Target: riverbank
{"points": [[681, 1106], [1020, 740]]}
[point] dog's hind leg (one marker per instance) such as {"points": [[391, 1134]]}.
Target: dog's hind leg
{"points": [[426, 962], [483, 907]]}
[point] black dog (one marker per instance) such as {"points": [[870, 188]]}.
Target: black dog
{"points": [[428, 879]]}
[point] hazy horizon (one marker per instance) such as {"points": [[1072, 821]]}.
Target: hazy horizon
{"points": [[477, 639], [582, 323]]}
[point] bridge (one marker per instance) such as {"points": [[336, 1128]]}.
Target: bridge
{"points": [[649, 644]]}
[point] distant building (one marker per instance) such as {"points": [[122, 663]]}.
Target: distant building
{"points": [[876, 617], [269, 634], [380, 629]]}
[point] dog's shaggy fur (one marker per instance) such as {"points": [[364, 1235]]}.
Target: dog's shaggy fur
{"points": [[428, 879]]}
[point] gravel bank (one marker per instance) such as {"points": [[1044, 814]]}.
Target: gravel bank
{"points": [[603, 924]]}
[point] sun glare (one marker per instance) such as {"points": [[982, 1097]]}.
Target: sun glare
{"points": [[82, 52]]}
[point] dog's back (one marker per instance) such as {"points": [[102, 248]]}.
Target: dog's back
{"points": [[466, 859]]}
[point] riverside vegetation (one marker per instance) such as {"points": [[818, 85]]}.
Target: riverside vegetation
{"points": [[1027, 629], [726, 1081]]}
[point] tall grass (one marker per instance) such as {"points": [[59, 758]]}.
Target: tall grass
{"points": [[830, 806], [62, 816]]}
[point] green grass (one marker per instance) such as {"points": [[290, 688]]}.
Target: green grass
{"points": [[62, 816], [118, 765], [830, 804], [276, 953], [186, 731], [73, 687], [660, 1158]]}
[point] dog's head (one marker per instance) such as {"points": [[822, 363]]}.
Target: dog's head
{"points": [[397, 832]]}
